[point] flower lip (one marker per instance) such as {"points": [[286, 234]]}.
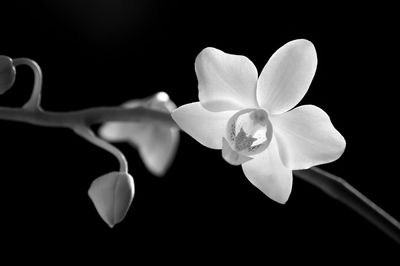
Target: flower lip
{"points": [[249, 131]]}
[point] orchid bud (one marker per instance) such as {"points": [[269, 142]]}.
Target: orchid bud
{"points": [[112, 195], [7, 73], [156, 143]]}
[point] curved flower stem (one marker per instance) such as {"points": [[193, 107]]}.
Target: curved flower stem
{"points": [[86, 117], [34, 101], [342, 191], [332, 185], [86, 133]]}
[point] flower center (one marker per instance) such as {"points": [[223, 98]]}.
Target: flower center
{"points": [[249, 131]]}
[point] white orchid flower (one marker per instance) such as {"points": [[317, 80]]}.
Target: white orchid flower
{"points": [[251, 118], [156, 143]]}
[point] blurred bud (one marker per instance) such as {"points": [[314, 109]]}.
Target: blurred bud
{"points": [[112, 195], [7, 73], [156, 143]]}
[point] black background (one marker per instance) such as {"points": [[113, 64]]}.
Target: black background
{"points": [[103, 53]]}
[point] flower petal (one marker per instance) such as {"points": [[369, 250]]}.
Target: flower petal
{"points": [[206, 127], [306, 137], [156, 143], [122, 131], [226, 82], [231, 156], [268, 174], [158, 149], [286, 77]]}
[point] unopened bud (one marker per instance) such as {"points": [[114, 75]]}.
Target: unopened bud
{"points": [[7, 73], [112, 195], [157, 143]]}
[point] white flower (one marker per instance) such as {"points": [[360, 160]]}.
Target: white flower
{"points": [[251, 118], [156, 143], [112, 195]]}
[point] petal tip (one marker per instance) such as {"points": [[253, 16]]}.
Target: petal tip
{"points": [[281, 198], [225, 81], [210, 49], [305, 47], [282, 201], [268, 174], [206, 52], [112, 196], [302, 42], [342, 144], [307, 138]]}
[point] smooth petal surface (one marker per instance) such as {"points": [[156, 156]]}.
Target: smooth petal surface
{"points": [[231, 156], [226, 82], [158, 149], [206, 127], [157, 144], [112, 195], [287, 76], [268, 174], [306, 137], [122, 131]]}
